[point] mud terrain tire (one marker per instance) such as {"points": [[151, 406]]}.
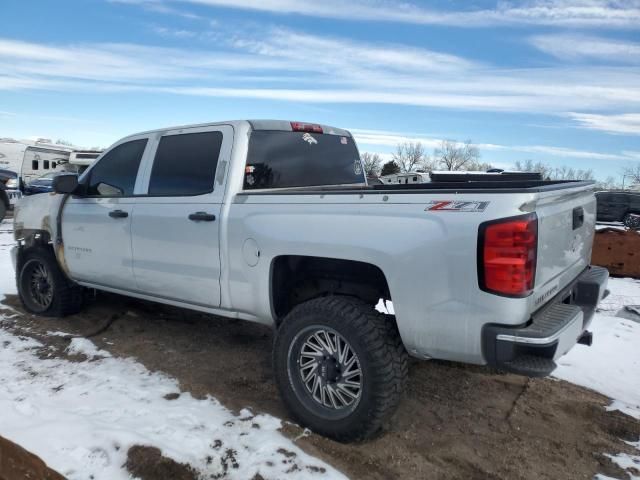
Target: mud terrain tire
{"points": [[343, 323], [43, 287]]}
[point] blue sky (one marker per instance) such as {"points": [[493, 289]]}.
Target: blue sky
{"points": [[551, 80]]}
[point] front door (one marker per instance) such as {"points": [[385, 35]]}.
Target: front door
{"points": [[96, 227], [175, 227]]}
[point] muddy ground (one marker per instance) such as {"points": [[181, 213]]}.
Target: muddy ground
{"points": [[455, 421]]}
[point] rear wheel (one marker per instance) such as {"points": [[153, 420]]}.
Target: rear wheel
{"points": [[43, 287], [631, 220], [340, 367]]}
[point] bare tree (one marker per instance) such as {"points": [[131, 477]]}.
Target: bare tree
{"points": [[372, 164], [411, 157], [531, 166], [568, 173], [631, 172], [548, 172], [609, 184], [453, 155]]}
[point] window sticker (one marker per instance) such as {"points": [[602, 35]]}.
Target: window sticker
{"points": [[309, 139], [343, 140], [357, 166]]}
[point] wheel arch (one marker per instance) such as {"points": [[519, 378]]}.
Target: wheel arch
{"points": [[295, 279]]}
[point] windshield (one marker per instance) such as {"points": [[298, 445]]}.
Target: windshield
{"points": [[278, 159]]}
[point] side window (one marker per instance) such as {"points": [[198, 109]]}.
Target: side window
{"points": [[34, 164], [45, 164], [185, 164], [115, 174]]}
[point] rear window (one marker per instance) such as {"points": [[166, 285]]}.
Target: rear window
{"points": [[278, 159]]}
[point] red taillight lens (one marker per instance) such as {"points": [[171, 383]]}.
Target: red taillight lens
{"points": [[305, 127], [507, 255]]}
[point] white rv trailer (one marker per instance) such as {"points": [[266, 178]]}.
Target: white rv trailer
{"points": [[81, 159], [31, 159], [41, 159], [405, 178]]}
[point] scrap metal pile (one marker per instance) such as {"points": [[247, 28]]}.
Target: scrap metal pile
{"points": [[618, 250]]}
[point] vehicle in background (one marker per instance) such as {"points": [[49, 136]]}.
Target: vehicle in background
{"points": [[41, 184], [13, 153], [81, 159], [9, 191], [273, 222], [618, 206], [41, 159], [405, 178]]}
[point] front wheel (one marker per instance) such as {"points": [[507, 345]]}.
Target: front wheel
{"points": [[43, 287], [631, 221], [340, 367]]}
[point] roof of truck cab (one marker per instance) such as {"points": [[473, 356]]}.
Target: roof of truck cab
{"points": [[257, 124]]}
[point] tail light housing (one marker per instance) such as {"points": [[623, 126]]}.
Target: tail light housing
{"points": [[305, 127], [507, 254]]}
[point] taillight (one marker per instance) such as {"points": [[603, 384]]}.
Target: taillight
{"points": [[507, 251], [305, 127]]}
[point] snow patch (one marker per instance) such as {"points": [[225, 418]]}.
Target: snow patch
{"points": [[611, 365], [82, 417], [84, 346]]}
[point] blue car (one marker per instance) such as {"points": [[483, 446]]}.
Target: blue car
{"points": [[41, 184]]}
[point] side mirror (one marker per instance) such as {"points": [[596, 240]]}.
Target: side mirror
{"points": [[67, 183]]}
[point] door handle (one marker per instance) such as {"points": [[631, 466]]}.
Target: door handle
{"points": [[202, 217], [118, 214], [578, 217]]}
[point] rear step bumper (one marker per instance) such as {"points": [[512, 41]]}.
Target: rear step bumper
{"points": [[533, 348]]}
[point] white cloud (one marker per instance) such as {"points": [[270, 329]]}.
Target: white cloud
{"points": [[574, 13], [583, 47], [283, 65], [627, 123]]}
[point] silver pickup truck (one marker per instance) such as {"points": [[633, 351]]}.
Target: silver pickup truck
{"points": [[273, 222]]}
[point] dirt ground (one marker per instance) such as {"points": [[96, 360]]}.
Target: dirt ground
{"points": [[18, 464], [455, 421]]}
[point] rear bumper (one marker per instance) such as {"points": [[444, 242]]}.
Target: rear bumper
{"points": [[531, 349]]}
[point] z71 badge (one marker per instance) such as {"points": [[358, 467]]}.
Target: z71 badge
{"points": [[456, 206]]}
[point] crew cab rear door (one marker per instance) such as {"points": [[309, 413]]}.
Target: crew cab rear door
{"points": [[176, 222]]}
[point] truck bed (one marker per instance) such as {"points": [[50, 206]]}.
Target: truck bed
{"points": [[491, 186]]}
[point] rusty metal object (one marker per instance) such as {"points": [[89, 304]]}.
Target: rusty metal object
{"points": [[617, 250]]}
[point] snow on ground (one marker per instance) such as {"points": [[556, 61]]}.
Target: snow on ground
{"points": [[81, 417], [611, 365]]}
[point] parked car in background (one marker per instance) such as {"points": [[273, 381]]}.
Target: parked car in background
{"points": [[42, 184], [618, 206], [9, 191]]}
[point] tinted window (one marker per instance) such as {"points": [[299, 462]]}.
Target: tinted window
{"points": [[115, 174], [34, 164], [185, 164], [295, 159]]}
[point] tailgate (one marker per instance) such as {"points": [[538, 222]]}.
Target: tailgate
{"points": [[566, 223]]}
